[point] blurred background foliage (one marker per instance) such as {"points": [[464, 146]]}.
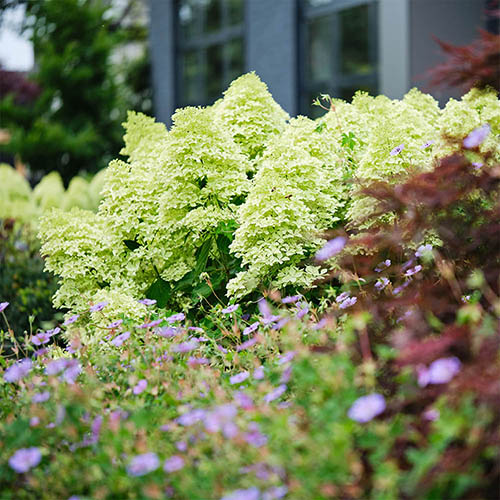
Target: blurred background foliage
{"points": [[66, 117]]}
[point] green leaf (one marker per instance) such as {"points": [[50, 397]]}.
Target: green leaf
{"points": [[161, 291], [131, 244], [202, 256]]}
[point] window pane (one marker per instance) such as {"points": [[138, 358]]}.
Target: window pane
{"points": [[193, 76], [235, 11], [347, 93], [213, 16], [234, 51], [355, 40], [215, 77], [316, 3], [320, 67]]}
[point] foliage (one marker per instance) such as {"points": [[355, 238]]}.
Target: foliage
{"points": [[73, 125], [386, 390], [23, 281], [468, 66]]}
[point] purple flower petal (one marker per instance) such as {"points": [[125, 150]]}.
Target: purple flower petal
{"points": [[397, 150], [366, 408], [275, 393], [230, 309], [331, 248], [176, 317], [174, 463], [140, 387], [120, 339], [18, 370], [248, 494], [3, 306], [143, 464], [71, 319], [147, 302], [238, 378], [115, 324], [251, 328], [249, 343], [427, 144], [291, 299], [98, 307], [477, 136], [25, 459]]}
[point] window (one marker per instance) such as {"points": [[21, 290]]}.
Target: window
{"points": [[339, 50], [210, 50]]}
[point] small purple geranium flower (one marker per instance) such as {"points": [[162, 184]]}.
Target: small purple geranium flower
{"points": [[331, 248], [251, 328], [477, 136], [3, 306], [366, 408], [151, 324], [41, 397], [25, 459], [440, 371], [143, 464], [258, 373], [248, 494], [423, 250], [140, 387], [174, 463], [176, 317], [18, 370], [98, 307], [413, 270], [238, 378], [188, 346], [291, 299], [275, 393], [71, 319], [381, 283], [397, 150], [115, 324], [249, 343], [427, 144], [120, 339], [348, 302], [41, 338], [147, 302], [230, 309]]}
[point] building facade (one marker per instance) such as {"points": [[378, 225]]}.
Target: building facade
{"points": [[302, 48]]}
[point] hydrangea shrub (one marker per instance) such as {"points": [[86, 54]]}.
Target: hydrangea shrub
{"points": [[235, 196]]}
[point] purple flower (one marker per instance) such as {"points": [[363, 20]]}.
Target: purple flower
{"points": [[221, 419], [254, 437], [25, 459], [41, 397], [140, 387], [477, 165], [151, 324], [56, 366], [258, 373], [181, 446], [238, 378], [302, 312], [382, 265], [400, 288], [381, 283], [174, 463], [188, 346], [98, 307], [41, 338], [427, 144], [264, 308], [243, 400], [192, 361], [251, 328], [331, 248], [54, 331], [147, 302], [413, 271], [275, 492], [191, 417], [71, 371], [230, 309], [120, 339], [176, 317], [366, 408], [348, 302], [291, 299], [248, 494], [71, 319], [168, 331], [440, 371], [343, 296], [477, 136], [34, 421], [115, 324], [286, 358], [275, 393], [431, 415], [3, 306], [320, 324], [18, 370], [196, 329], [285, 376], [249, 343], [423, 249], [397, 150], [281, 323], [143, 464], [222, 349]]}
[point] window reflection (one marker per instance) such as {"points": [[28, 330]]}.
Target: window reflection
{"points": [[340, 50]]}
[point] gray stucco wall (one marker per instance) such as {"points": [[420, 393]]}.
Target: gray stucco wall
{"points": [[272, 47], [454, 21]]}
